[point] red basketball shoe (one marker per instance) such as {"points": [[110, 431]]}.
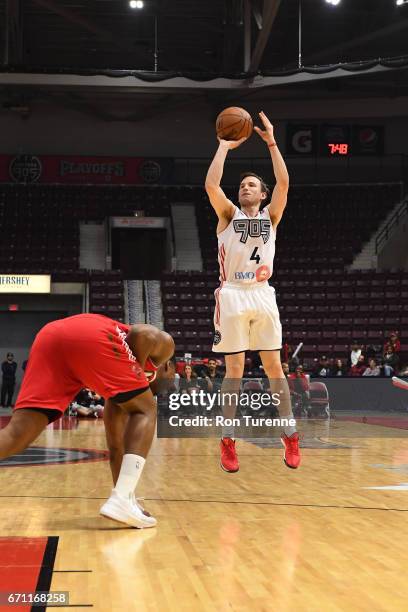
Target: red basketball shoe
{"points": [[229, 458], [291, 456]]}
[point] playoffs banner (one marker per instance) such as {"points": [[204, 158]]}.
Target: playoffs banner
{"points": [[76, 170]]}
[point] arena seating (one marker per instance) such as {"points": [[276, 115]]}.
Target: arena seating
{"points": [[40, 232], [325, 316], [106, 293], [324, 227], [40, 223]]}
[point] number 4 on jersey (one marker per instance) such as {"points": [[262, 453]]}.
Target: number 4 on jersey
{"points": [[254, 256]]}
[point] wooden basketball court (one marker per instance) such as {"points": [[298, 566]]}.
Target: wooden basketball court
{"points": [[266, 538]]}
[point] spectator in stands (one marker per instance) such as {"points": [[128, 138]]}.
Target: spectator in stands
{"points": [[394, 341], [286, 352], [285, 368], [359, 368], [213, 377], [373, 369], [390, 359], [84, 397], [338, 369], [87, 404], [355, 353], [323, 367], [8, 368], [188, 380], [372, 351], [97, 402], [300, 391]]}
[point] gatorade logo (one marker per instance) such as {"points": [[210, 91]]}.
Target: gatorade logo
{"points": [[302, 141]]}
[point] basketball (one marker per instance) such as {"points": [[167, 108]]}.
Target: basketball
{"points": [[234, 123]]}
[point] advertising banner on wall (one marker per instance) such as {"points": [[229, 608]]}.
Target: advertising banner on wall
{"points": [[334, 139], [301, 139], [77, 170], [368, 139], [25, 283]]}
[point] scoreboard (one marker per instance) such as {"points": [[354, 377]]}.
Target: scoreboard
{"points": [[334, 140]]}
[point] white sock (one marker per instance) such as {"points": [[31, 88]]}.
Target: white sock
{"points": [[289, 430], [228, 431], [130, 472]]}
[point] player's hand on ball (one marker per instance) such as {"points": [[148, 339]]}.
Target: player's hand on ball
{"points": [[231, 144], [267, 134]]}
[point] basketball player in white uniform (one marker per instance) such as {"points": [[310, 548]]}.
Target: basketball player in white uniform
{"points": [[246, 315]]}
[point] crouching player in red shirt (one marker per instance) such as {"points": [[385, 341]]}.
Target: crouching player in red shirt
{"points": [[120, 362]]}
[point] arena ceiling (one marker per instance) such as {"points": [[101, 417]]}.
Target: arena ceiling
{"points": [[242, 40]]}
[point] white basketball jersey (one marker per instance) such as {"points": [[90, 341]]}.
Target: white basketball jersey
{"points": [[246, 249]]}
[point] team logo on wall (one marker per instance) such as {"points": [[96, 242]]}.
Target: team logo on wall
{"points": [[25, 169], [150, 172], [217, 337], [39, 455]]}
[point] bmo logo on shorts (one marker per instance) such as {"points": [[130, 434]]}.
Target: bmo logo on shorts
{"points": [[244, 275], [255, 228]]}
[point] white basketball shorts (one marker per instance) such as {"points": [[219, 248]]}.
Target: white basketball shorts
{"points": [[246, 318]]}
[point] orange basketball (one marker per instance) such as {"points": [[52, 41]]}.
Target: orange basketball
{"points": [[234, 123]]}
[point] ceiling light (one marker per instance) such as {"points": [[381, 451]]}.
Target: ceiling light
{"points": [[136, 4]]}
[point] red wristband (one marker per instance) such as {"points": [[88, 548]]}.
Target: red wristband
{"points": [[272, 144]]}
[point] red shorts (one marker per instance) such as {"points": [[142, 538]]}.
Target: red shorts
{"points": [[86, 350]]}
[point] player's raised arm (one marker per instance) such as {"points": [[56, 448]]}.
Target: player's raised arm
{"points": [[280, 193], [219, 201]]}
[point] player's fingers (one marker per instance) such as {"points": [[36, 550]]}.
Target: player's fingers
{"points": [[265, 119]]}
